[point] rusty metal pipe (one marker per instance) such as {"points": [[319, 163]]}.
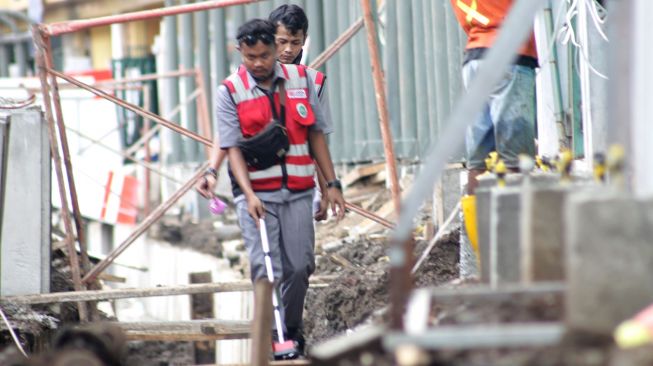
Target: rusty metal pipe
{"points": [[133, 108], [41, 55], [60, 28]]}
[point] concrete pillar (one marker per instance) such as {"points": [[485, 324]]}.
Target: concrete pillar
{"points": [[25, 221], [542, 233], [505, 251], [609, 259]]}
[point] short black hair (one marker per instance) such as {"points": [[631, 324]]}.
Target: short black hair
{"points": [[255, 30], [290, 16]]}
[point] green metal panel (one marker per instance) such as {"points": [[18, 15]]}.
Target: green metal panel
{"points": [[345, 89], [315, 28], [203, 47], [408, 137], [420, 76], [331, 32], [440, 40], [429, 71], [391, 56], [219, 40], [189, 120]]}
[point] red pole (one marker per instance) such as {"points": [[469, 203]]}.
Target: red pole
{"points": [[402, 253], [41, 55], [60, 28], [381, 103]]}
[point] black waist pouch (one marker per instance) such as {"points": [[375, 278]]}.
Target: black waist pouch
{"points": [[266, 148]]}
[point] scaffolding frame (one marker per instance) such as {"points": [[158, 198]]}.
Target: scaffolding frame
{"points": [[85, 275]]}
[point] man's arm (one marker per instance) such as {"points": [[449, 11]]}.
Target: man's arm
{"points": [[239, 170], [320, 152], [206, 186]]}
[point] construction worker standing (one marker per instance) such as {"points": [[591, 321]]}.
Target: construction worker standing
{"points": [[507, 124], [250, 105]]}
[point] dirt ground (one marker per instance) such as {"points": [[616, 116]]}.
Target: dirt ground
{"points": [[359, 293]]}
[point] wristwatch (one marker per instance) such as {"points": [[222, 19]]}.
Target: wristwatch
{"points": [[212, 172], [335, 184]]}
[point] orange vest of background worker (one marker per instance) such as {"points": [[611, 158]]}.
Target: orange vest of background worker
{"points": [[481, 20]]}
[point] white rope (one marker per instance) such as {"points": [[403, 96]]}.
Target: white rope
{"points": [[567, 33], [13, 334]]}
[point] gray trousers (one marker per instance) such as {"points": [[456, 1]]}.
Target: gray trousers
{"points": [[292, 238]]}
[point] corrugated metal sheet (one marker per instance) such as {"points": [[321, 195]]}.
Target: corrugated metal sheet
{"points": [[422, 49]]}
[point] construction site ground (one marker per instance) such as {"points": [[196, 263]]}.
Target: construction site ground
{"points": [[354, 251]]}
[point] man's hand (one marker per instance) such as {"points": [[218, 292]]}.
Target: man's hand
{"points": [[255, 208], [337, 203], [205, 186], [323, 212]]}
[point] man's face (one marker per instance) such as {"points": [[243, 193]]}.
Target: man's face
{"points": [[288, 45], [259, 59]]}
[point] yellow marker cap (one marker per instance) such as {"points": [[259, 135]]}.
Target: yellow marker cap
{"points": [[630, 334]]}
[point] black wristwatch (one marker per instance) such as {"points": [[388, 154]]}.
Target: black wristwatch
{"points": [[335, 184], [212, 172]]}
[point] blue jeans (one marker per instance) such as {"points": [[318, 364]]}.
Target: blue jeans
{"points": [[507, 123]]}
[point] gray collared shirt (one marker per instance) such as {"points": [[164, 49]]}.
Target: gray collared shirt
{"points": [[227, 126]]}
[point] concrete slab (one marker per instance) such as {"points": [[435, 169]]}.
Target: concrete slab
{"points": [[542, 233], [505, 236], [483, 209], [25, 231], [609, 259]]}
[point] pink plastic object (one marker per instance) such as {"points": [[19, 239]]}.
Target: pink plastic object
{"points": [[216, 206]]}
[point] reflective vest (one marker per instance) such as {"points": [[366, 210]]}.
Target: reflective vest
{"points": [[255, 112], [481, 20], [317, 78]]}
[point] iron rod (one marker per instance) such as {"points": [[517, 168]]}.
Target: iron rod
{"points": [[59, 28], [41, 50]]}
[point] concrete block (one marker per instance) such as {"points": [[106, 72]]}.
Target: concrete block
{"points": [[542, 233], [505, 236], [483, 209], [25, 221], [609, 259]]}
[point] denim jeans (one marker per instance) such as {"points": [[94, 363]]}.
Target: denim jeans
{"points": [[507, 123]]}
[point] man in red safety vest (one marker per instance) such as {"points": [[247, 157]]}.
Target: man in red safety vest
{"points": [[250, 102]]}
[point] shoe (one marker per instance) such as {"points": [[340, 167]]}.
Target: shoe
{"points": [[285, 351], [297, 335]]}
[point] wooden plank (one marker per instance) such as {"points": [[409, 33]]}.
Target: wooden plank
{"points": [[112, 294], [324, 353], [201, 307], [192, 330], [488, 293], [361, 172], [262, 323], [480, 336]]}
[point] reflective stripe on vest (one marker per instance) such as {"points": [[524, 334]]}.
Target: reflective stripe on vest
{"points": [[317, 78], [299, 164], [472, 12]]}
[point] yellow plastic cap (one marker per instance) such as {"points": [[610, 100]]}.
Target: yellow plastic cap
{"points": [[630, 334]]}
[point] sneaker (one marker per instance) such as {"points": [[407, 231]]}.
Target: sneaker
{"points": [[297, 335]]}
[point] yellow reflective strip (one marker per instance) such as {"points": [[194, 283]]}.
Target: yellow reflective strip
{"points": [[472, 13]]}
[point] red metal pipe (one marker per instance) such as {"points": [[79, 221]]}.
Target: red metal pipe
{"points": [[402, 253], [133, 108], [378, 219], [59, 28], [41, 55], [381, 103], [334, 47]]}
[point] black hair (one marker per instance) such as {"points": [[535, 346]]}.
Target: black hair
{"points": [[292, 17], [255, 30]]}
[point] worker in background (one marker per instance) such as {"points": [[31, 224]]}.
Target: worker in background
{"points": [[291, 33], [249, 101], [507, 123]]}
